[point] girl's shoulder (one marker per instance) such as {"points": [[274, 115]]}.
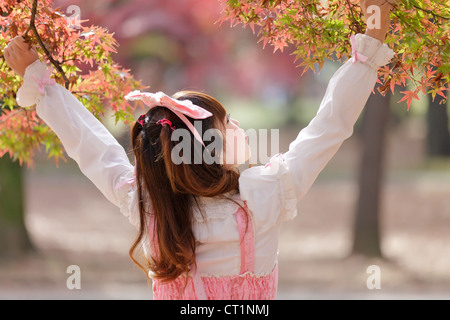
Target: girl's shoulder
{"points": [[270, 191]]}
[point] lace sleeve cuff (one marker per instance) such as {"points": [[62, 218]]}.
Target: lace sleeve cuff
{"points": [[36, 77], [377, 53]]}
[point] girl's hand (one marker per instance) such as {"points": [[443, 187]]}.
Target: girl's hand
{"points": [[381, 21], [19, 55]]}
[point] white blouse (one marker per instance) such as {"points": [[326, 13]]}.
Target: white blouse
{"points": [[271, 191]]}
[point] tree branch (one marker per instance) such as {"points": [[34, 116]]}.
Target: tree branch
{"points": [[32, 19], [431, 12], [14, 113], [358, 26], [33, 28]]}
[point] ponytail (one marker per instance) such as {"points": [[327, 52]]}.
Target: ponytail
{"points": [[169, 190]]}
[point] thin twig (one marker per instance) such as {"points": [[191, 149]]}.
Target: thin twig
{"points": [[32, 19], [84, 92], [67, 60], [13, 114], [358, 27], [431, 12], [30, 127], [33, 28]]}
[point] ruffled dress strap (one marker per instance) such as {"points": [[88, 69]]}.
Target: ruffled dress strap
{"points": [[247, 240], [247, 248], [197, 287], [245, 285]]}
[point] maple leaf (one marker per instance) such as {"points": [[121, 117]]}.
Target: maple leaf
{"points": [[280, 43], [408, 96], [21, 132], [417, 40], [438, 91]]}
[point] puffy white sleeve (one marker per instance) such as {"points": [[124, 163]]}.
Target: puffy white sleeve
{"points": [[100, 157], [273, 190]]}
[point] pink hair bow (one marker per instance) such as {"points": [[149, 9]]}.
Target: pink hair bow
{"points": [[46, 80], [356, 55], [181, 108]]}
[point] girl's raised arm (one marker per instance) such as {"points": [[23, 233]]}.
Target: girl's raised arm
{"points": [[279, 185], [100, 157], [344, 100]]}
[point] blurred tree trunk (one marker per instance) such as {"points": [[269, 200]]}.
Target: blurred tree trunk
{"points": [[14, 238], [438, 133], [367, 221]]}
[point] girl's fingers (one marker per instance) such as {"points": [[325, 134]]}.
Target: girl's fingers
{"points": [[11, 49], [387, 6], [394, 2], [6, 53], [20, 42], [16, 44], [380, 3]]}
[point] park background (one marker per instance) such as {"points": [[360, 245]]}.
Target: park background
{"points": [[173, 45]]}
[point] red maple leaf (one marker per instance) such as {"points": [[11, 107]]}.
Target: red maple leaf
{"points": [[409, 96]]}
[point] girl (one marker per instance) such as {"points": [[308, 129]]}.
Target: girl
{"points": [[205, 231]]}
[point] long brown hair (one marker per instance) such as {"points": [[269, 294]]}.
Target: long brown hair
{"points": [[170, 189]]}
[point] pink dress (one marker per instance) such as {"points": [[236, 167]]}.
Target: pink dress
{"points": [[244, 286]]}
